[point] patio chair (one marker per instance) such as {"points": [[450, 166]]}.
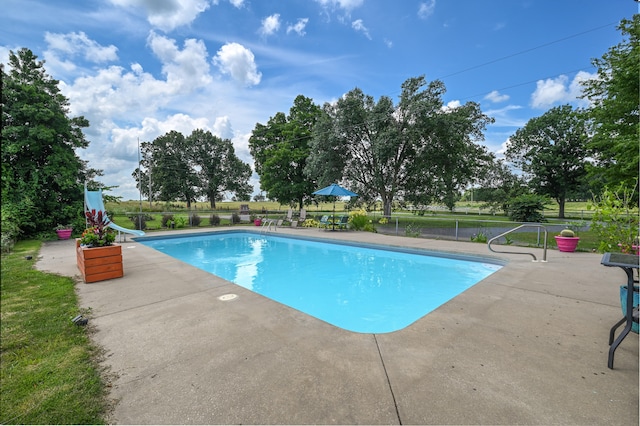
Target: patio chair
{"points": [[324, 221], [303, 215], [342, 222]]}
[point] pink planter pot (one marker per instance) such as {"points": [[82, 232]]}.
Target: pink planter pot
{"points": [[567, 244], [64, 234]]}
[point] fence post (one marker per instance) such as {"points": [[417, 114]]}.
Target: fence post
{"points": [[396, 226], [456, 229]]}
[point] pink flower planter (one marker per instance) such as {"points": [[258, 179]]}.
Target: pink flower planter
{"points": [[64, 234], [567, 244]]}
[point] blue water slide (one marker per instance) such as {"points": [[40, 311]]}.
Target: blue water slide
{"points": [[93, 201]]}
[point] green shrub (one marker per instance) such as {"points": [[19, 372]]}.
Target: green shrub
{"points": [[615, 219], [195, 219], [214, 220], [166, 220], [527, 208], [359, 221], [310, 223], [235, 218], [140, 220], [180, 221], [412, 230]]}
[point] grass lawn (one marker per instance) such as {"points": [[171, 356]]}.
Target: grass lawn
{"points": [[48, 372]]}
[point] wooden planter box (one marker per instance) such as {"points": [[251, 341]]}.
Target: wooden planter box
{"points": [[99, 263]]}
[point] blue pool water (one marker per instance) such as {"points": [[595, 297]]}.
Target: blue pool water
{"points": [[357, 288]]}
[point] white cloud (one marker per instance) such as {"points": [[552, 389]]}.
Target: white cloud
{"points": [[222, 128], [186, 69], [388, 43], [239, 62], [559, 90], [358, 25], [78, 44], [299, 26], [504, 117], [167, 14], [451, 105], [347, 5], [270, 24], [237, 3], [426, 9], [496, 97]]}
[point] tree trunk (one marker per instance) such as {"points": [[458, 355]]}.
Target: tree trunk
{"points": [[561, 201], [212, 199], [386, 206]]}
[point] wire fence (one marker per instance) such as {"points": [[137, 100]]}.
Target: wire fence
{"points": [[450, 227]]}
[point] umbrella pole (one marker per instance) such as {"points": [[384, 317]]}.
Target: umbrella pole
{"points": [[333, 219]]}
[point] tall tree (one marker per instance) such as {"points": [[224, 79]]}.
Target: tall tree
{"points": [[614, 112], [451, 160], [280, 150], [388, 151], [41, 173], [218, 168], [552, 151], [169, 160]]}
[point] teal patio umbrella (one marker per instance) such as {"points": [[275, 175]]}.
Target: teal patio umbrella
{"points": [[335, 190]]}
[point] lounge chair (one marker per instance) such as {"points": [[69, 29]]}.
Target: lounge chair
{"points": [[289, 216], [303, 215]]}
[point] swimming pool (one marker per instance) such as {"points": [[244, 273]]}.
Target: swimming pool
{"points": [[360, 288]]}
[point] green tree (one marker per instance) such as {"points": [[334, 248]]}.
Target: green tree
{"points": [[416, 150], [169, 161], [451, 160], [280, 150], [552, 151], [219, 169], [42, 176], [614, 112], [499, 185]]}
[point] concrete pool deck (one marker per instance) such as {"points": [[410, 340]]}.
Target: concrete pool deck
{"points": [[527, 345]]}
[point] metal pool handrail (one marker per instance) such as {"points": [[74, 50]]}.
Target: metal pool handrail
{"points": [[536, 225]]}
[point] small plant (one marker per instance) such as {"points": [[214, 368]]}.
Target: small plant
{"points": [[62, 227], [166, 220], [180, 222], [97, 235], [412, 230], [310, 223], [235, 218], [140, 221], [195, 219], [383, 221], [567, 233], [480, 237], [214, 220]]}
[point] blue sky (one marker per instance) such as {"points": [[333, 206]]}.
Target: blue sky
{"points": [[140, 68]]}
